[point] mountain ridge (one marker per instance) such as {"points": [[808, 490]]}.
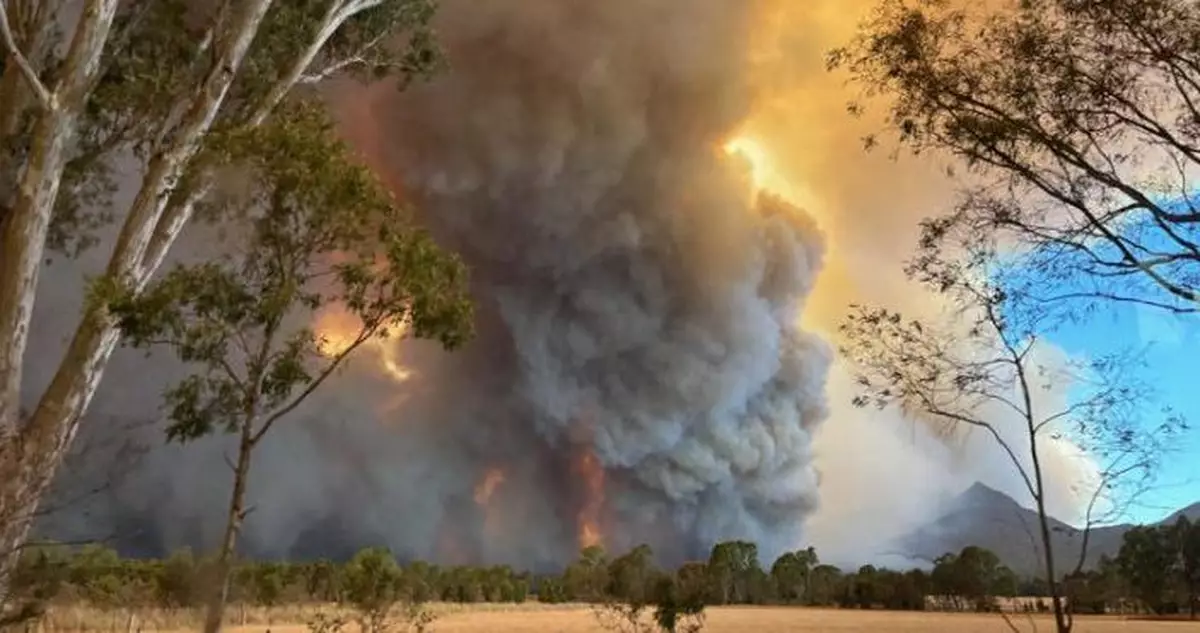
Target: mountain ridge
{"points": [[988, 518]]}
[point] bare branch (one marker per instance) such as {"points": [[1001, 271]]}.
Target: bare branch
{"points": [[1003, 443], [1108, 296]]}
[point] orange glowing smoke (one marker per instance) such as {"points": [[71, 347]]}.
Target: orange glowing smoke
{"points": [[591, 472], [765, 176], [337, 330], [485, 491], [487, 487]]}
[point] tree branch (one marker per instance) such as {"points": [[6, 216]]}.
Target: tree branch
{"points": [[1061, 414], [269, 421], [338, 66], [1107, 296], [46, 99], [965, 419]]}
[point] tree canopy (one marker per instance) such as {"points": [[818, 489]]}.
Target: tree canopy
{"points": [[159, 93], [1078, 127]]}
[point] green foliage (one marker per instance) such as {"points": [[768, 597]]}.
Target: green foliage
{"points": [[268, 581], [825, 583], [631, 575], [1099, 590], [551, 590], [178, 581], [678, 605], [153, 58], [317, 229], [588, 577], [642, 596], [392, 40], [974, 574], [791, 575], [1185, 539], [1145, 559], [371, 580], [733, 571], [42, 574], [97, 572], [1159, 564]]}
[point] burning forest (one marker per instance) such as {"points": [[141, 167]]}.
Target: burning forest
{"points": [[640, 372], [651, 362], [611, 305]]}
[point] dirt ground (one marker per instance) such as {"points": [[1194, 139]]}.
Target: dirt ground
{"points": [[777, 620]]}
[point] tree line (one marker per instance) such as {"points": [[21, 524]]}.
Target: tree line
{"points": [[1157, 570]]}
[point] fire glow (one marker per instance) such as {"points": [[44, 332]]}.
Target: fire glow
{"points": [[486, 488], [765, 176], [591, 473], [337, 329]]}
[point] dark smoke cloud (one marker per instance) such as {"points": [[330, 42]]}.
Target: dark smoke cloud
{"points": [[641, 307], [636, 303]]}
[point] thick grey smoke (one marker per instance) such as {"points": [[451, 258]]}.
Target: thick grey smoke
{"points": [[643, 307], [637, 305]]}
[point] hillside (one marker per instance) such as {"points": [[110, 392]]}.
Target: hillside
{"points": [[989, 518]]}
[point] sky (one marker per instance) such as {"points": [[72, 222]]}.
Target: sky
{"points": [[1169, 343], [1162, 342], [869, 205]]}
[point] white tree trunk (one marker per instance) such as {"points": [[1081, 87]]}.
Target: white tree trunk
{"points": [[21, 254], [335, 17], [34, 451], [150, 228]]}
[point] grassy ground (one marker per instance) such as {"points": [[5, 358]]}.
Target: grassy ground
{"points": [[789, 620], [534, 618]]}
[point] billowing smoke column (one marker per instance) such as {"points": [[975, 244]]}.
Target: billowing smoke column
{"points": [[638, 305], [638, 375]]}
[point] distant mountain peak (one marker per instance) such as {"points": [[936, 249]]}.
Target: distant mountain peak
{"points": [[982, 495], [988, 518], [1192, 512]]}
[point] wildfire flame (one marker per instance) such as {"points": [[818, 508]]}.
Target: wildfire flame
{"points": [[492, 480], [592, 473], [337, 329]]}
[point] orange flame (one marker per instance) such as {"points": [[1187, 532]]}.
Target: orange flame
{"points": [[337, 330], [491, 481], [592, 473]]}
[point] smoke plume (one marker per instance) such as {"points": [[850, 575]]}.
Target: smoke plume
{"points": [[644, 369], [641, 302]]}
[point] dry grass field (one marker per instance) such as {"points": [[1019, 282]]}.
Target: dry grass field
{"points": [[534, 618], [797, 620]]}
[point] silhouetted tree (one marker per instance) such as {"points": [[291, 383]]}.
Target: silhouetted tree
{"points": [[791, 573], [1076, 122], [978, 368], [1146, 560], [317, 230], [588, 578], [1185, 537]]}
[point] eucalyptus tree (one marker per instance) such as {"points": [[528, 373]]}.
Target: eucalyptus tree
{"points": [[82, 96]]}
